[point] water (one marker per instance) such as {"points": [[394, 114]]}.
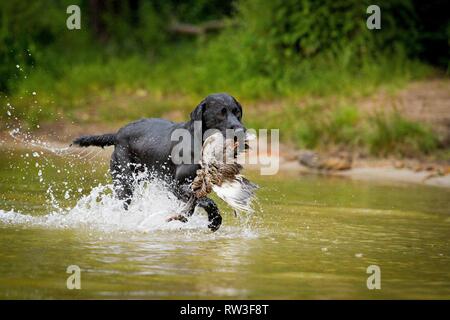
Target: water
{"points": [[311, 237]]}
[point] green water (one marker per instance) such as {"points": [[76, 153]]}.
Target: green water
{"points": [[312, 238]]}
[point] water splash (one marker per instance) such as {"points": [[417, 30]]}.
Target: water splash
{"points": [[26, 139], [101, 210]]}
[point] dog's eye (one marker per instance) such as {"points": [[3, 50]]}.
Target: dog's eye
{"points": [[236, 111], [224, 111]]}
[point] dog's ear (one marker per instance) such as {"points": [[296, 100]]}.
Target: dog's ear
{"points": [[197, 114], [239, 105]]}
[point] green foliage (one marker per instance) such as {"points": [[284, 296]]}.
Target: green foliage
{"points": [[319, 126], [343, 126], [33, 34], [286, 48], [391, 133]]}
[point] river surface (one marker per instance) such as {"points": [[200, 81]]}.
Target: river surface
{"points": [[311, 237]]}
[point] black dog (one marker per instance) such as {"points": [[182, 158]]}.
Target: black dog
{"points": [[147, 144]]}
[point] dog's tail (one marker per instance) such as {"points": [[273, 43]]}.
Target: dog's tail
{"points": [[103, 140]]}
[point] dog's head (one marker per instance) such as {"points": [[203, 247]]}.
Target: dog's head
{"points": [[219, 111]]}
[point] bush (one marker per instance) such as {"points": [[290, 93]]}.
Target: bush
{"points": [[310, 47]]}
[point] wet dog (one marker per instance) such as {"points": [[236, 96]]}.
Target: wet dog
{"points": [[147, 145]]}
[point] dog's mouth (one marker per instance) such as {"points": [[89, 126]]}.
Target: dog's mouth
{"points": [[235, 145], [245, 140]]}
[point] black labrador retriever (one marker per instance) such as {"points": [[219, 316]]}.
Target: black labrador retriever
{"points": [[147, 145]]}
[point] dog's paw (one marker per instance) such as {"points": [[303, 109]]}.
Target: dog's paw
{"points": [[178, 217], [215, 223]]}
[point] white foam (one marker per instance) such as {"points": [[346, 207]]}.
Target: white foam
{"points": [[147, 213], [101, 210]]}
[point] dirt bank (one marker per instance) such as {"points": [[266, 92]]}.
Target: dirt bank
{"points": [[376, 170]]}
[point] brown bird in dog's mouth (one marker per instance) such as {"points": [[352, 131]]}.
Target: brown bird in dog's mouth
{"points": [[220, 172]]}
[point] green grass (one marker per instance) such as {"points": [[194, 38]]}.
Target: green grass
{"points": [[319, 126], [392, 134]]}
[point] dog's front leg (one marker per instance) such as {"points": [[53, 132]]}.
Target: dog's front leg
{"points": [[185, 175], [214, 217], [184, 192]]}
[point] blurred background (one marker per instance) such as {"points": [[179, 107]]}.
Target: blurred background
{"points": [[310, 68]]}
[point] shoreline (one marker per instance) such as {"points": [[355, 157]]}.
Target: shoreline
{"points": [[384, 173], [372, 169]]}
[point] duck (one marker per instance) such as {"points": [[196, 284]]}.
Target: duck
{"points": [[221, 173]]}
